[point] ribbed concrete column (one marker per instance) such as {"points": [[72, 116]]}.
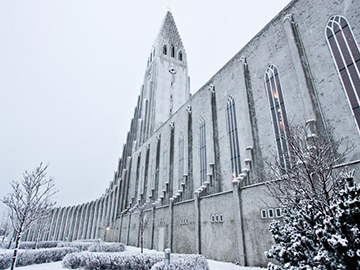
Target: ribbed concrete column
{"points": [[105, 210], [64, 223], [108, 208], [121, 192], [245, 113], [116, 202], [153, 209], [74, 232], [129, 228], [58, 225], [112, 207], [70, 226], [240, 237], [46, 235], [171, 225], [81, 221], [301, 67], [90, 220], [86, 220], [95, 219], [52, 226], [197, 222], [100, 217], [114, 212]]}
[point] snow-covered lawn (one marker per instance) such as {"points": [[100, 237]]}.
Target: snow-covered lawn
{"points": [[214, 265]]}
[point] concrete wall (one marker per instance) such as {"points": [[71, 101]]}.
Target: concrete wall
{"points": [[184, 228], [218, 229]]}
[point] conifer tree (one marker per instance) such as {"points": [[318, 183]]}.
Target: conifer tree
{"points": [[312, 239]]}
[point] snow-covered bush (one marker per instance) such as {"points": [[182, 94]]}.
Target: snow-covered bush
{"points": [[312, 239], [82, 246], [47, 244], [5, 260], [40, 244], [184, 262], [107, 247], [111, 261], [28, 257]]}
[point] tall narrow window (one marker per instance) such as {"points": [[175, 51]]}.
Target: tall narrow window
{"points": [[165, 168], [278, 113], [346, 54], [165, 50], [172, 51], [202, 148], [181, 160], [233, 137], [152, 173], [180, 56]]}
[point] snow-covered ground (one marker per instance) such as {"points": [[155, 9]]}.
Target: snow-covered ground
{"points": [[214, 265]]}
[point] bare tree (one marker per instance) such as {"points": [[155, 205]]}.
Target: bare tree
{"points": [[314, 172], [29, 201], [143, 217], [5, 226]]}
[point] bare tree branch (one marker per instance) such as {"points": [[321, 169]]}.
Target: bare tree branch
{"points": [[312, 175], [29, 202]]}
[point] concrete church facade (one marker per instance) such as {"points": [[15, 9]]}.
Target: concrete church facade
{"points": [[194, 158]]}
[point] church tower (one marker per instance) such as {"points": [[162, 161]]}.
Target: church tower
{"points": [[166, 83]]}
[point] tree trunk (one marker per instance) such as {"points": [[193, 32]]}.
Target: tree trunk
{"points": [[17, 242], [142, 240]]}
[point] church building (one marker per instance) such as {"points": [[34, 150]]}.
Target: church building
{"points": [[195, 160]]}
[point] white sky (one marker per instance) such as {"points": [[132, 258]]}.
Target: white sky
{"points": [[71, 71]]}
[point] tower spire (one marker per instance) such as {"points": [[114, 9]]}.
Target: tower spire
{"points": [[168, 31], [166, 83]]}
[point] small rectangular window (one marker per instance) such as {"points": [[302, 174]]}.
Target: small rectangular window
{"points": [[263, 213], [278, 212], [271, 213]]}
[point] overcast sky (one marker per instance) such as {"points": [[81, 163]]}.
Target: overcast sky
{"points": [[70, 73]]}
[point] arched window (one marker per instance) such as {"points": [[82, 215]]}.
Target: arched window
{"points": [[346, 54], [181, 159], [233, 137], [172, 51], [278, 113], [150, 57], [180, 56], [165, 50], [202, 150]]}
